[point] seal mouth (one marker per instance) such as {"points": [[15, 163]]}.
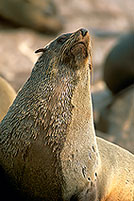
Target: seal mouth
{"points": [[80, 47], [81, 43]]}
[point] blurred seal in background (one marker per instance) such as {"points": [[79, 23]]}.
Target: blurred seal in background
{"points": [[40, 15], [119, 64], [7, 95]]}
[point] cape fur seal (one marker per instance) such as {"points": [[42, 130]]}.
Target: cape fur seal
{"points": [[40, 15], [7, 95], [119, 64], [49, 150]]}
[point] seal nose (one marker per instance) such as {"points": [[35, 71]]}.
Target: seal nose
{"points": [[83, 32]]}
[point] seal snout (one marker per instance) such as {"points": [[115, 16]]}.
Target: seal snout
{"points": [[83, 32], [84, 37], [80, 48]]}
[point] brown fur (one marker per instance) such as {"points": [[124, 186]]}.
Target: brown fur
{"points": [[7, 95], [49, 149]]}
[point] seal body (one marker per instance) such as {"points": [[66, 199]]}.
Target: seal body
{"points": [[116, 179], [49, 150]]}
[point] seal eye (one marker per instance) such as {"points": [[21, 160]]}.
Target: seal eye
{"points": [[62, 39]]}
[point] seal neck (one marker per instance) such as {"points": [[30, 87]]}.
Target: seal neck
{"points": [[82, 126], [80, 156]]}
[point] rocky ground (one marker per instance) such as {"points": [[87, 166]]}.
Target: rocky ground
{"points": [[106, 20]]}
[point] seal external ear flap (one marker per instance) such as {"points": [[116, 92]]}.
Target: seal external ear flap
{"points": [[90, 66], [40, 50]]}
